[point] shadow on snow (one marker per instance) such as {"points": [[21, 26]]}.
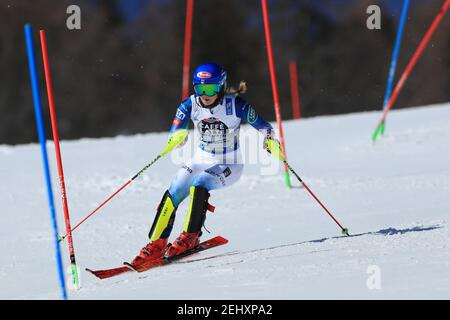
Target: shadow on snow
{"points": [[382, 232]]}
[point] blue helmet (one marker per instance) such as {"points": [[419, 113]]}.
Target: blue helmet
{"points": [[213, 76]]}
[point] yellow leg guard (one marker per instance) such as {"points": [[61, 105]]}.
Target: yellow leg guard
{"points": [[197, 209], [188, 217], [162, 225]]}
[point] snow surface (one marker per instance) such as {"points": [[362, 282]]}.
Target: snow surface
{"points": [[393, 196]]}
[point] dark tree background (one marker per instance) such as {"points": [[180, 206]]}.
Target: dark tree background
{"points": [[121, 73]]}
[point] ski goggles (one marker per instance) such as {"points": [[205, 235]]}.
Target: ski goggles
{"points": [[207, 89]]}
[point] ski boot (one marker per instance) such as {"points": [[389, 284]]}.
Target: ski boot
{"points": [[184, 242], [152, 251], [190, 237], [159, 232]]}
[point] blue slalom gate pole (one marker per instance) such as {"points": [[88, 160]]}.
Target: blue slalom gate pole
{"points": [[398, 41], [42, 141]]}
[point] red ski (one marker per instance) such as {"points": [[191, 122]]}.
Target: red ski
{"points": [[108, 273]]}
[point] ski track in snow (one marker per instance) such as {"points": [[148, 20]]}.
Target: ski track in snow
{"points": [[393, 197], [242, 269]]}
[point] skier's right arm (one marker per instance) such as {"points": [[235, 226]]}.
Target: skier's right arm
{"points": [[182, 116], [178, 132]]}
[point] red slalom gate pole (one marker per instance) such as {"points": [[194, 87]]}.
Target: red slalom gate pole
{"points": [[413, 60], [274, 86], [187, 48], [295, 96], [51, 103]]}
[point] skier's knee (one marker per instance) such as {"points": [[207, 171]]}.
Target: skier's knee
{"points": [[177, 195], [203, 183]]}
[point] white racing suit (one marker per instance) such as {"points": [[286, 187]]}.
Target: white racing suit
{"points": [[216, 164]]}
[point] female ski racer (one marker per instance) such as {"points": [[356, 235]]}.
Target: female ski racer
{"points": [[217, 114]]}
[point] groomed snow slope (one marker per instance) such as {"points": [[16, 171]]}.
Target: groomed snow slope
{"points": [[393, 196]]}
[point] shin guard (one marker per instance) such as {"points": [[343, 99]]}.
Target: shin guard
{"points": [[165, 216], [197, 209]]}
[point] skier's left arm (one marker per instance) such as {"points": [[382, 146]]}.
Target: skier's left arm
{"points": [[246, 112]]}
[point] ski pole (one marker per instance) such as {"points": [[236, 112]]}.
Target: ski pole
{"points": [[177, 137], [274, 148], [344, 230]]}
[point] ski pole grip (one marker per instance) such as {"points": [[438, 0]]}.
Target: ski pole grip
{"points": [[274, 148], [174, 140]]}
